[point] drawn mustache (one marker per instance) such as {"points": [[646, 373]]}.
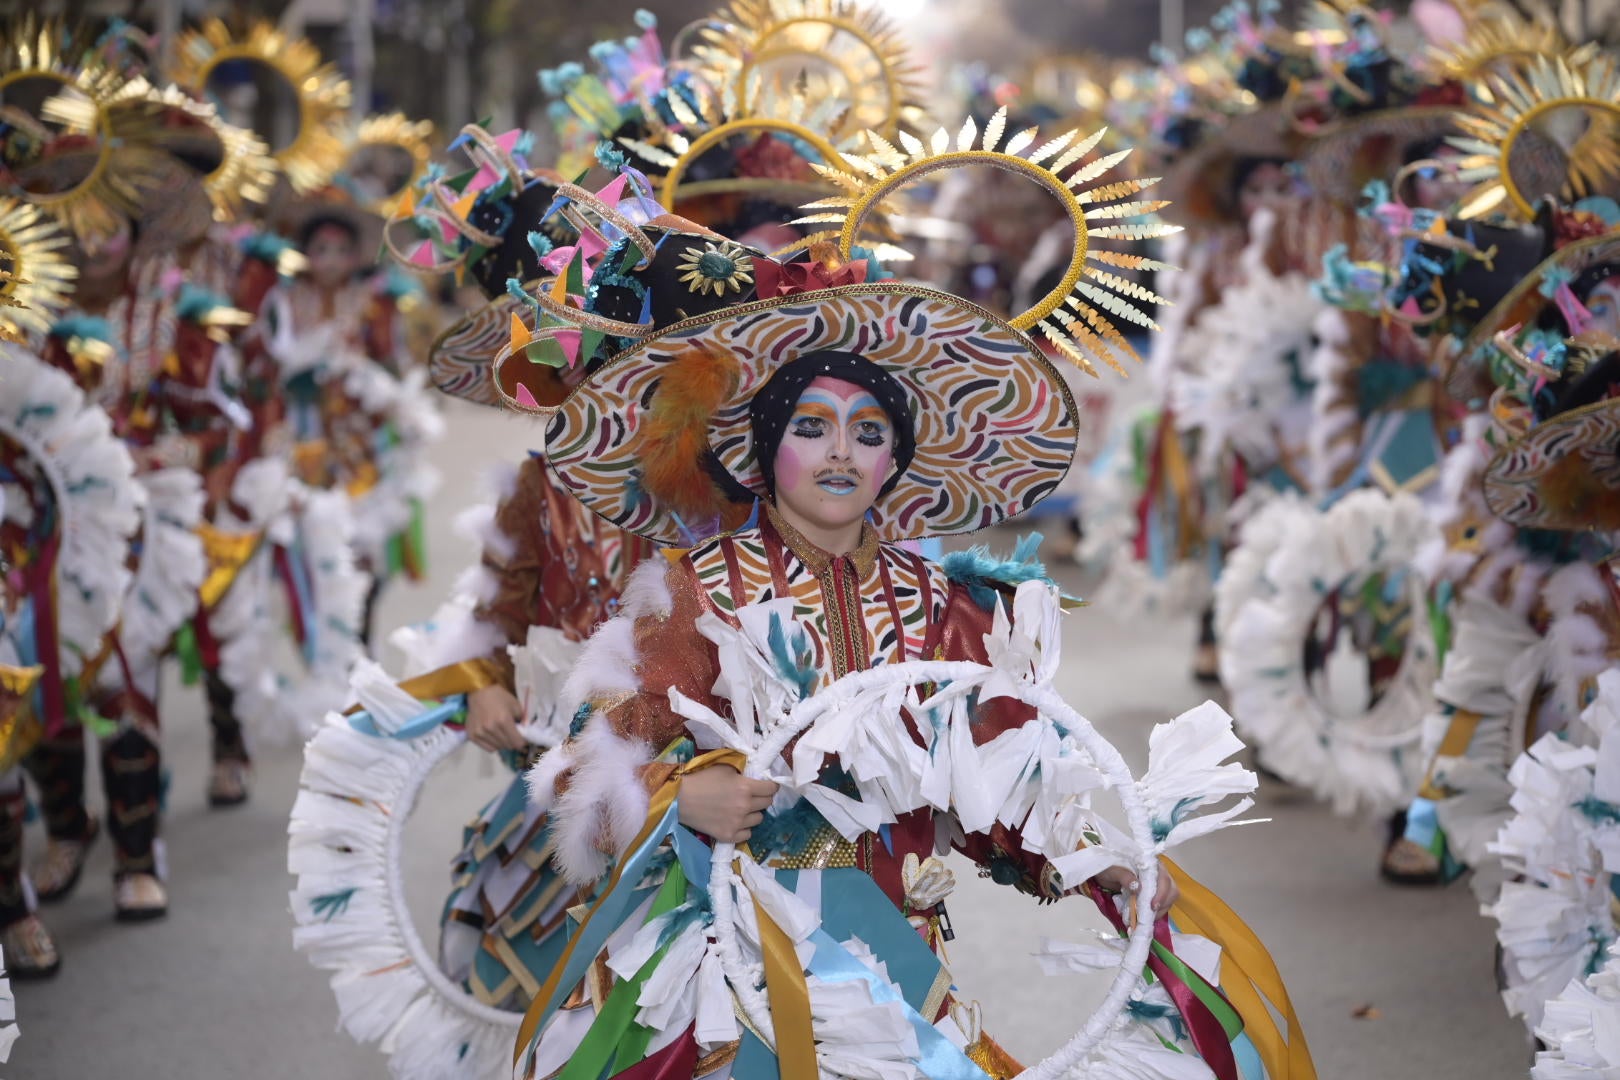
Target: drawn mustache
{"points": [[836, 474]]}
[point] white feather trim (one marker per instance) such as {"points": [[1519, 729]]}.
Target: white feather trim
{"points": [[1560, 847], [1581, 1028], [8, 1015], [605, 803]]}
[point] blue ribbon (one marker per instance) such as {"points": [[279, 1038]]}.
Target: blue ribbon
{"points": [[417, 726], [611, 911]]}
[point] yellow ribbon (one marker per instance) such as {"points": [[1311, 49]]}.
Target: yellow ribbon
{"points": [[20, 729], [1249, 977], [462, 677], [790, 1001], [656, 810], [1178, 473], [227, 553], [1459, 733]]}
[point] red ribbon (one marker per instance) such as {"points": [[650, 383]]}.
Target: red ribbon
{"points": [[1208, 1036], [674, 1062], [284, 570], [48, 649], [1150, 489]]}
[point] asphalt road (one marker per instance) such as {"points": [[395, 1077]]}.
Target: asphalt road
{"points": [[1390, 984]]}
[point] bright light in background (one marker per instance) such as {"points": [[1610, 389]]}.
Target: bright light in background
{"points": [[900, 10]]}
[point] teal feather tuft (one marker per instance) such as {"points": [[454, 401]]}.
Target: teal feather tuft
{"points": [[984, 575]]}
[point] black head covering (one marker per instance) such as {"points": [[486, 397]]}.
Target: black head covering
{"points": [[773, 406]]}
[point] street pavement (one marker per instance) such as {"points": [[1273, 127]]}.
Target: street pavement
{"points": [[1390, 984]]}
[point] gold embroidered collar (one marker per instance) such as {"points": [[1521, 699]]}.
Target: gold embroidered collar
{"points": [[864, 556]]}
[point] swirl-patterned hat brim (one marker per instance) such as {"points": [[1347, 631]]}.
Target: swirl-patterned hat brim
{"points": [[460, 361], [1340, 161], [1563, 474], [1468, 377], [995, 422]]}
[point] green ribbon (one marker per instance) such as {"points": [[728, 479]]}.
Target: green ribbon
{"points": [[1213, 999], [185, 647], [614, 1033]]}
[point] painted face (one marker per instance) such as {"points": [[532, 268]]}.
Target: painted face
{"points": [[1604, 304], [1265, 185], [104, 259], [836, 454], [1439, 188], [332, 257]]}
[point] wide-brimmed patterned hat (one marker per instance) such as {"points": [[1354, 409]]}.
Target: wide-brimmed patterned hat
{"points": [[995, 423], [1532, 295], [1564, 473], [1341, 161]]}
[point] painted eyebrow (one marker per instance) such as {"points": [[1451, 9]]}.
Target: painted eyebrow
{"points": [[816, 409], [861, 399], [871, 412]]}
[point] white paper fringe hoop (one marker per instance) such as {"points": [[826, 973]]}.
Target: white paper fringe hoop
{"points": [[1268, 598], [346, 847], [317, 527], [92, 482], [1555, 916], [1038, 777], [163, 593], [1581, 1027]]}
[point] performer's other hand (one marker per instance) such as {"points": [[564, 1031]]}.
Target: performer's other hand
{"points": [[1117, 879], [492, 719], [722, 803]]}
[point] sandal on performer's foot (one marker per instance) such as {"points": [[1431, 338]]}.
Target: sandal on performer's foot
{"points": [[30, 951], [140, 897], [1409, 863], [58, 871], [1207, 665], [228, 783]]}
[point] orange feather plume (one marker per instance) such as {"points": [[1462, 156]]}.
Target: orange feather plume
{"points": [[673, 441]]}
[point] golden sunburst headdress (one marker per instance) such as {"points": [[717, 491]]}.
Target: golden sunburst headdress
{"points": [[59, 151], [392, 134], [317, 151], [1552, 127], [835, 49], [816, 133], [36, 280], [1492, 40], [169, 119], [1076, 317]]}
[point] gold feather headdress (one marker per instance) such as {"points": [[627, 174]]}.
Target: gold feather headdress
{"points": [[1552, 125], [832, 49], [318, 151], [36, 280], [1076, 317]]}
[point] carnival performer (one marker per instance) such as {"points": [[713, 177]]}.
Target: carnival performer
{"points": [[152, 349], [829, 405], [67, 512]]}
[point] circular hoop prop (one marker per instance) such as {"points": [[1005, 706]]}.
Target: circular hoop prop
{"points": [[1267, 602], [347, 845], [669, 188], [959, 676]]}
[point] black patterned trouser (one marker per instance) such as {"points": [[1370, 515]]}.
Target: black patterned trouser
{"points": [[132, 779], [228, 741], [13, 901]]}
